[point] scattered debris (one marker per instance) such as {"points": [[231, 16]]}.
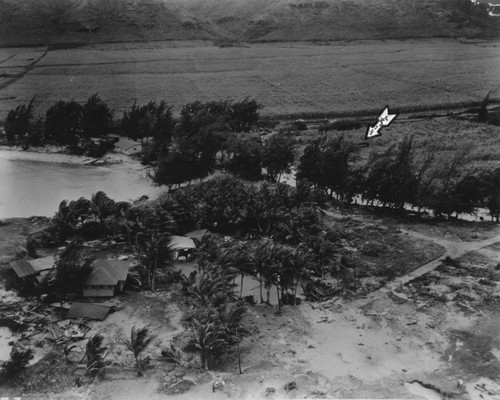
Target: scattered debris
{"points": [[290, 386], [218, 384], [270, 391]]}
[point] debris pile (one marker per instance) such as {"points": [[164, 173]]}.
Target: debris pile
{"points": [[467, 285]]}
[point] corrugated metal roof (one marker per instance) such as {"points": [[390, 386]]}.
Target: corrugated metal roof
{"points": [[88, 310], [41, 264], [107, 272], [25, 267], [22, 268], [181, 242]]}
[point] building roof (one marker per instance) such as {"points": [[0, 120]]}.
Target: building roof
{"points": [[88, 310], [107, 272], [44, 263], [198, 234], [25, 267], [181, 242], [125, 144]]}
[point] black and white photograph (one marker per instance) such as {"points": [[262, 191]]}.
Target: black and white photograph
{"points": [[249, 199]]}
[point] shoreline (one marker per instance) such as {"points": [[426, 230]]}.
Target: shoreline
{"points": [[54, 176], [55, 154]]}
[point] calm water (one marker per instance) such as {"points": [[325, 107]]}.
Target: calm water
{"points": [[36, 188]]}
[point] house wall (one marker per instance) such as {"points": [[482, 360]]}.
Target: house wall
{"points": [[98, 291]]}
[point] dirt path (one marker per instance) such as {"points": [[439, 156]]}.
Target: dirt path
{"points": [[27, 69], [454, 249]]}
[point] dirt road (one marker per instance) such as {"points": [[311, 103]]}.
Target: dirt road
{"points": [[454, 249]]}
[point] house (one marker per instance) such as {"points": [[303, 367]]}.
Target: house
{"points": [[128, 146], [31, 268], [181, 246], [106, 278]]}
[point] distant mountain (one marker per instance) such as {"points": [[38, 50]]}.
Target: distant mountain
{"points": [[84, 21], [75, 21], [282, 20]]}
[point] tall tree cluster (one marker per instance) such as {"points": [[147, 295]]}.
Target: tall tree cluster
{"points": [[399, 176]]}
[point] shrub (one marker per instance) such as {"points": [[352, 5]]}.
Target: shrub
{"points": [[19, 359]]}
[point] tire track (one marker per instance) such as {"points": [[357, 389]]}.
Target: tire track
{"points": [[26, 71], [7, 59]]}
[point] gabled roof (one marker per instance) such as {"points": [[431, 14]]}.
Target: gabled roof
{"points": [[25, 267], [198, 234], [181, 242], [88, 310], [125, 144], [107, 272]]}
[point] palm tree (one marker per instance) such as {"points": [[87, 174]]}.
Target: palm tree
{"points": [[294, 264], [213, 330], [153, 228], [210, 340], [139, 341], [101, 206], [212, 287], [154, 252], [238, 256], [95, 354]]}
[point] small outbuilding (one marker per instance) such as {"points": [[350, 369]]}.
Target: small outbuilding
{"points": [[88, 311], [128, 146], [106, 278], [31, 268], [181, 246]]}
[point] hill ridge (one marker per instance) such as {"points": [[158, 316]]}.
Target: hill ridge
{"points": [[48, 22]]}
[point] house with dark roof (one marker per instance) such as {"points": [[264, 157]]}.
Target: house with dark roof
{"points": [[106, 278]]}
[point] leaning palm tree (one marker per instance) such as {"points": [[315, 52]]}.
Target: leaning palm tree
{"points": [[212, 287], [95, 354], [139, 341], [238, 256], [101, 206], [209, 337]]}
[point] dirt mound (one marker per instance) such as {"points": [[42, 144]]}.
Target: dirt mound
{"points": [[93, 21]]}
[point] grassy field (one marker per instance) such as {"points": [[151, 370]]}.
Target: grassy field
{"points": [[445, 135], [286, 78]]}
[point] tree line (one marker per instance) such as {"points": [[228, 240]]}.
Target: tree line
{"points": [[214, 135], [66, 122], [401, 175]]}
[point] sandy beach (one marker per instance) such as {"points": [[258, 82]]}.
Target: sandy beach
{"points": [[55, 154]]}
